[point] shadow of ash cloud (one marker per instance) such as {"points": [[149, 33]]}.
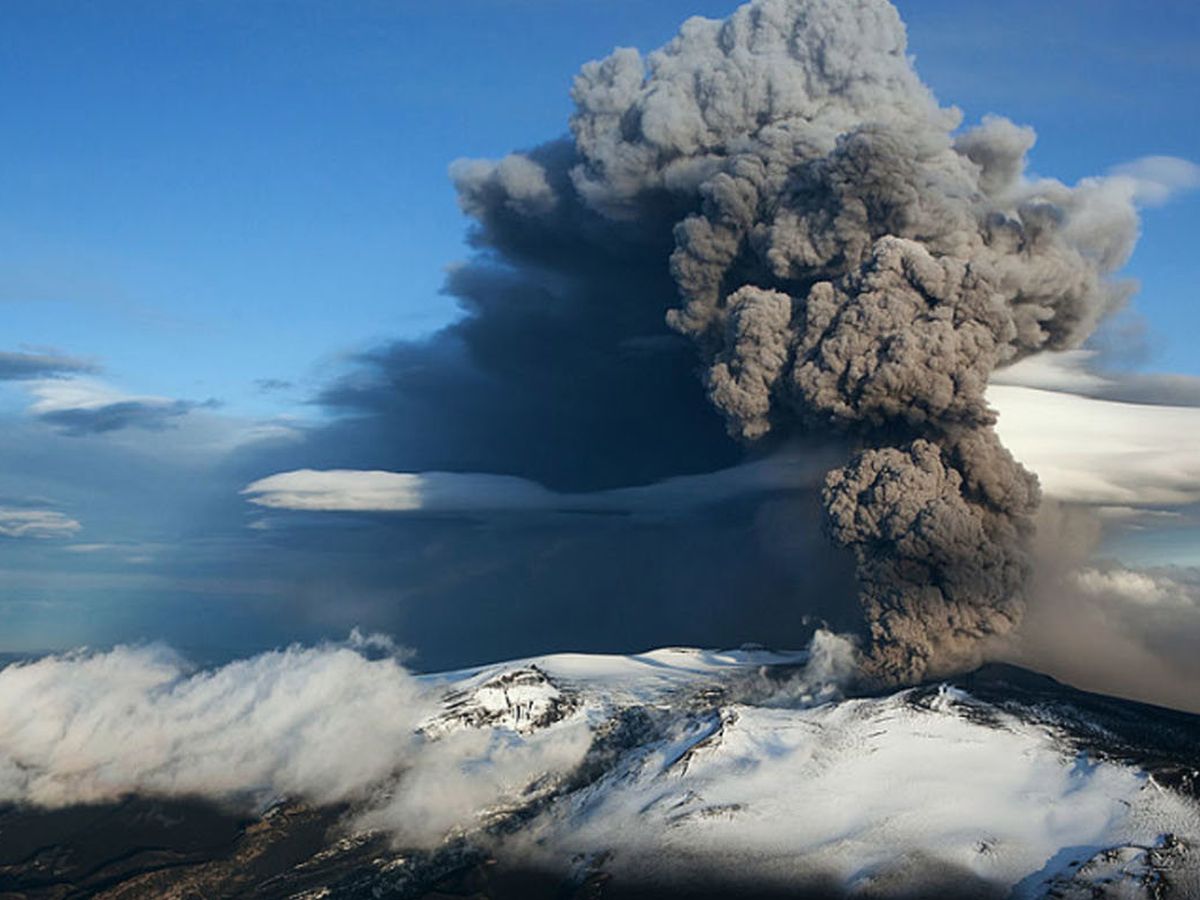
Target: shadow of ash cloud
{"points": [[464, 590], [574, 382]]}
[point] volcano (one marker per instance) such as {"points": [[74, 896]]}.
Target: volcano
{"points": [[700, 773]]}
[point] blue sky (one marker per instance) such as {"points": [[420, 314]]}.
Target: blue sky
{"points": [[204, 195], [208, 200]]}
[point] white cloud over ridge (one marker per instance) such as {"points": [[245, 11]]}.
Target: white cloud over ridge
{"points": [[90, 727], [325, 724], [335, 723]]}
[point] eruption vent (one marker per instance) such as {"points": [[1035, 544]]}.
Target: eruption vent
{"points": [[846, 263]]}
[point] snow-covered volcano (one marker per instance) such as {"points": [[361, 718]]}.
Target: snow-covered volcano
{"points": [[702, 764], [690, 771]]}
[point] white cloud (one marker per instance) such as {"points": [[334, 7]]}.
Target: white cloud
{"points": [[379, 491], [1102, 452], [90, 727], [1080, 372], [1155, 180], [1117, 630], [1084, 450], [93, 727], [365, 490], [1068, 423], [1140, 588], [60, 394], [1065, 371], [36, 523]]}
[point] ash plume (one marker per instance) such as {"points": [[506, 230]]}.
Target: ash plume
{"points": [[847, 262]]}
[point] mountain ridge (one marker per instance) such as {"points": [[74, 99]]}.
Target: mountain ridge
{"points": [[740, 773]]}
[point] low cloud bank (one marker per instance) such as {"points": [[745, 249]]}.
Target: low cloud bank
{"points": [[323, 723], [326, 724], [1105, 625]]}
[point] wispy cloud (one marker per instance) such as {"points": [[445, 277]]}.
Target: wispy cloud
{"points": [[80, 406], [1156, 180], [149, 415], [36, 523], [1078, 372]]}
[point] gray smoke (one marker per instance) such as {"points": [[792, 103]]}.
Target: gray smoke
{"points": [[845, 264]]}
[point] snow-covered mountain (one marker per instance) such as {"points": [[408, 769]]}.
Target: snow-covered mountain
{"points": [[705, 773]]}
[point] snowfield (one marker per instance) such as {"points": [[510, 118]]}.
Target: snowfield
{"points": [[722, 769]]}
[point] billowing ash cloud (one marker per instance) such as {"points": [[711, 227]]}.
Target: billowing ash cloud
{"points": [[844, 262]]}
